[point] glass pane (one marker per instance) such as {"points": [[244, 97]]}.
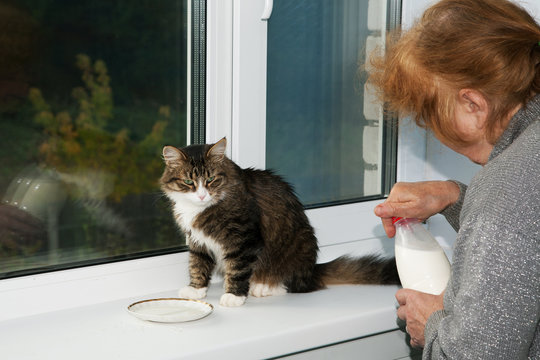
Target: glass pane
{"points": [[90, 90], [324, 132]]}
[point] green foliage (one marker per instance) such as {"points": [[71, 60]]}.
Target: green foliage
{"points": [[78, 141]]}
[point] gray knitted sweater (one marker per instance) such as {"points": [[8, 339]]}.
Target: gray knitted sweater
{"points": [[492, 301]]}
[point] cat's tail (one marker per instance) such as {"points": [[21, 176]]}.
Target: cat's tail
{"points": [[371, 269]]}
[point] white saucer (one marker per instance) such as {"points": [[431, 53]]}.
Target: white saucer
{"points": [[170, 310]]}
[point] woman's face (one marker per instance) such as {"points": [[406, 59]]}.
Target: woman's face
{"points": [[471, 114], [478, 153], [469, 121]]}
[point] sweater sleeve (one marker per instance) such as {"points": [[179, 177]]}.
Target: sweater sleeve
{"points": [[451, 213], [431, 351]]}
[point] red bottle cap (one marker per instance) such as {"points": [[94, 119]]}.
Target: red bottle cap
{"points": [[396, 219]]}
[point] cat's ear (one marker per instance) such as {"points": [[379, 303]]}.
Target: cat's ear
{"points": [[218, 149], [172, 154]]}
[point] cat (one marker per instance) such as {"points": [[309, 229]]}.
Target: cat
{"points": [[249, 225]]}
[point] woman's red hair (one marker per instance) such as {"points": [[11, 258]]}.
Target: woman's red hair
{"points": [[491, 46]]}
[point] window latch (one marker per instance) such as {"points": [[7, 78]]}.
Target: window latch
{"points": [[267, 12]]}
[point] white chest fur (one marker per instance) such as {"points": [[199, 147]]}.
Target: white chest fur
{"points": [[186, 213], [198, 237]]}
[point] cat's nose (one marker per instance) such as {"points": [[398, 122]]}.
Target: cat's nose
{"points": [[202, 196]]}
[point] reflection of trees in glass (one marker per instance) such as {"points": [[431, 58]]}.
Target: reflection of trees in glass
{"points": [[143, 44], [107, 131], [78, 142], [99, 165]]}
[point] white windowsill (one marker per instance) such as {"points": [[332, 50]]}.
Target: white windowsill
{"points": [[262, 328], [81, 313]]}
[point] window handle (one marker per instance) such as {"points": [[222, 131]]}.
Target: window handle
{"points": [[267, 12]]}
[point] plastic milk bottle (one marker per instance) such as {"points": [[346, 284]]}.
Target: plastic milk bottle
{"points": [[421, 262]]}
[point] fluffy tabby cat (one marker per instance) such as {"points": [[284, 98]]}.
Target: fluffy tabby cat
{"points": [[249, 225]]}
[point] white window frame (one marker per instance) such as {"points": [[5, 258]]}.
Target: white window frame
{"points": [[236, 108]]}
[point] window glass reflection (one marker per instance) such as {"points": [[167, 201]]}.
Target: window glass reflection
{"points": [[325, 132], [90, 91]]}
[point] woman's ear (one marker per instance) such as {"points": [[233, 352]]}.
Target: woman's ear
{"points": [[473, 103]]}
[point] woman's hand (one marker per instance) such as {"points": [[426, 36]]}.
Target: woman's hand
{"points": [[418, 200], [415, 308]]}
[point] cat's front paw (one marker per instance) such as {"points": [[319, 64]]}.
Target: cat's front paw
{"points": [[231, 300], [189, 292]]}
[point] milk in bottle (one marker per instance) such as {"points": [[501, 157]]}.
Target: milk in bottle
{"points": [[421, 262]]}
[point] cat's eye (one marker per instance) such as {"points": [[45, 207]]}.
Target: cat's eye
{"points": [[188, 182], [210, 179]]}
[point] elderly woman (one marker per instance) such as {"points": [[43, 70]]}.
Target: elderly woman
{"points": [[469, 71]]}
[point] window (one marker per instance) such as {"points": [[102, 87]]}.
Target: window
{"points": [[234, 105], [90, 91], [324, 132], [251, 122]]}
